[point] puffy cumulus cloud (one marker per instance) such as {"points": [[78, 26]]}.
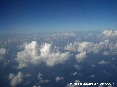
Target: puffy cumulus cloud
{"points": [[109, 33], [87, 46], [73, 84], [56, 58], [71, 46], [41, 79], [59, 78], [50, 57], [15, 79], [103, 62], [30, 52], [35, 54], [105, 47], [2, 53], [81, 56]]}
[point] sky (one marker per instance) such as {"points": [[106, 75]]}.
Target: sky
{"points": [[57, 15]]}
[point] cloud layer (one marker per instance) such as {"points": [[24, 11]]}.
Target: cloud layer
{"points": [[59, 51]]}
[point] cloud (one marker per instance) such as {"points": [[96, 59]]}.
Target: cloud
{"points": [[105, 53], [87, 46], [103, 62], [39, 75], [2, 53], [59, 79], [15, 79], [80, 46], [113, 58], [80, 57], [35, 54], [92, 75], [78, 67], [30, 52], [36, 86], [92, 65], [50, 57], [103, 46], [74, 73], [109, 33], [28, 75], [41, 79]]}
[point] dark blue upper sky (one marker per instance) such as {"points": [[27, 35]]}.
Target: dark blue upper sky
{"points": [[58, 15]]}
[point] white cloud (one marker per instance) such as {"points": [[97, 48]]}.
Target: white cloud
{"points": [[81, 56], [109, 33], [30, 52], [39, 76], [28, 75], [2, 53], [92, 65], [105, 53], [103, 62], [36, 86], [78, 67], [74, 73], [35, 54], [87, 46], [92, 75], [105, 47], [41, 79], [15, 79], [113, 48], [59, 79]]}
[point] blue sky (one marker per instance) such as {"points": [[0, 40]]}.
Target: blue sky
{"points": [[57, 15]]}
